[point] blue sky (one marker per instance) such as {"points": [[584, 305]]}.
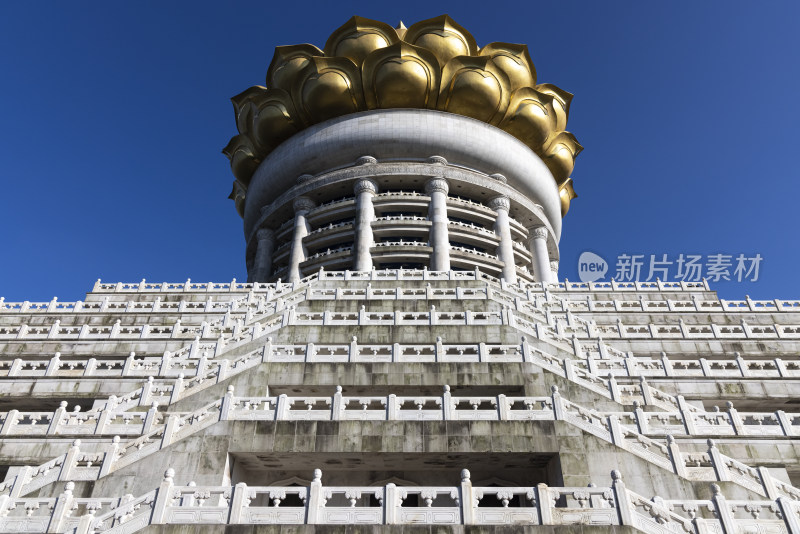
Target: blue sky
{"points": [[114, 115]]}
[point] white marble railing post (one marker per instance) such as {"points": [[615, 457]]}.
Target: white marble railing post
{"points": [[467, 498], [545, 504], [62, 509], [163, 498], [365, 189], [302, 205], [315, 499], [718, 462], [554, 271], [238, 503], [723, 510], [541, 258], [437, 189], [789, 514], [262, 265], [502, 227], [622, 500]]}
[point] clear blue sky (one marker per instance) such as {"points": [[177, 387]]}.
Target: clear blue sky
{"points": [[113, 115]]}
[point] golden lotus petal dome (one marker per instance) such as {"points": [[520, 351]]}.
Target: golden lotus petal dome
{"points": [[401, 76], [515, 61], [530, 118], [358, 37], [442, 36], [287, 63], [434, 64], [327, 88]]}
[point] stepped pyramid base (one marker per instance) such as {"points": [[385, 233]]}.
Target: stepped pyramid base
{"points": [[431, 402]]}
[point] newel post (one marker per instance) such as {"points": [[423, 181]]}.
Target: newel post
{"points": [[163, 498], [467, 499], [315, 499], [622, 500]]}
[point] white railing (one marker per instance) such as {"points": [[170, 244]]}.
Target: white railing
{"points": [[629, 432], [401, 218], [695, 304], [402, 243], [410, 274], [114, 420], [330, 226], [315, 504], [329, 252]]}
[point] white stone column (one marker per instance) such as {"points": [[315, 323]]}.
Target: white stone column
{"points": [[302, 205], [364, 189], [262, 265], [554, 271], [502, 227], [541, 258], [437, 189]]}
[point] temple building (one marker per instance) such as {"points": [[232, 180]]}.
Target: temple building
{"points": [[403, 356]]}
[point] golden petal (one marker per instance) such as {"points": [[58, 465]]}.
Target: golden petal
{"points": [[243, 107], [238, 195], [530, 118], [561, 101], [401, 76], [327, 88], [274, 119], [243, 156], [475, 87], [358, 37], [287, 62], [560, 155], [566, 193], [515, 61], [443, 36]]}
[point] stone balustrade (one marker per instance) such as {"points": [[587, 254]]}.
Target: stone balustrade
{"points": [[616, 306], [111, 420], [598, 360], [580, 328], [132, 306], [465, 503], [170, 287], [402, 243], [521, 287], [622, 429], [591, 330]]}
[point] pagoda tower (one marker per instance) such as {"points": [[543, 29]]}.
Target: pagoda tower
{"points": [[403, 356]]}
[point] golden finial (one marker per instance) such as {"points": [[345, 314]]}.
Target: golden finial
{"points": [[400, 29]]}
